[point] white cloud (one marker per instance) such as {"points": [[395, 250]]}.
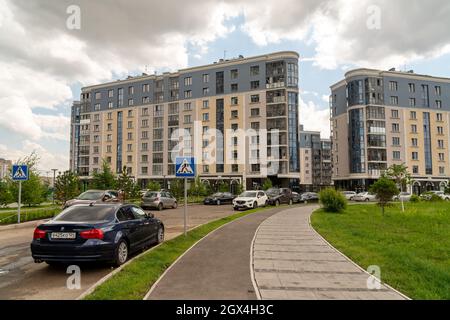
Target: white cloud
{"points": [[315, 118]]}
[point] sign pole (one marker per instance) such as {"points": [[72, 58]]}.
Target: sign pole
{"points": [[185, 207], [20, 201]]}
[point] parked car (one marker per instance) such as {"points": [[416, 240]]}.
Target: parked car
{"points": [[296, 197], [94, 196], [250, 200], [349, 195], [95, 232], [364, 197], [279, 196], [405, 196], [427, 196], [159, 200], [219, 198], [309, 196], [143, 192]]}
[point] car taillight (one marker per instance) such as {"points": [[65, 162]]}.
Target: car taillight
{"points": [[92, 234], [39, 234]]}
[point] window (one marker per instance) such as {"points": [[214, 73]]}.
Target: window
{"points": [[109, 137], [129, 147], [415, 156], [442, 170], [144, 170], [187, 119], [254, 70], [254, 98], [187, 106], [438, 104], [414, 142], [98, 95], [393, 85], [108, 149], [234, 114], [205, 91], [110, 105], [130, 136], [206, 169], [205, 117], [145, 100], [146, 88], [439, 117], [130, 125], [394, 101], [95, 149], [292, 74], [234, 74], [441, 157], [425, 96], [205, 104], [412, 87], [129, 159], [144, 123], [130, 113], [255, 125], [188, 94], [130, 90], [254, 85], [254, 112], [110, 93], [437, 90], [441, 144], [234, 87], [396, 155], [415, 170], [205, 78], [395, 127], [234, 101], [394, 114], [413, 115], [109, 116], [188, 81], [120, 97], [440, 131], [412, 102], [158, 146], [396, 141], [131, 102], [97, 107], [414, 128], [144, 134], [234, 126]]}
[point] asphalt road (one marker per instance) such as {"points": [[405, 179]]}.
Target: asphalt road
{"points": [[21, 278]]}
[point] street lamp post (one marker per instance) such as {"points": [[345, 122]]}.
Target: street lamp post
{"points": [[54, 178]]}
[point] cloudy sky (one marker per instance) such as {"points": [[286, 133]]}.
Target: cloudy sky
{"points": [[43, 63]]}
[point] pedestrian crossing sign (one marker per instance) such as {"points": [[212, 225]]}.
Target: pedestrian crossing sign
{"points": [[20, 173], [185, 167]]}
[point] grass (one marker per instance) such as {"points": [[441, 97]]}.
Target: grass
{"points": [[135, 280], [411, 248], [28, 215]]}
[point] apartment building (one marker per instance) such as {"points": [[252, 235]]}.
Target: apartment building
{"points": [[380, 118], [239, 117], [5, 166], [316, 163]]}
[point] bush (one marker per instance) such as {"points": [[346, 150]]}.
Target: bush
{"points": [[415, 198], [435, 198], [332, 200]]}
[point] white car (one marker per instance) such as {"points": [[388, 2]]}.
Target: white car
{"points": [[349, 195], [442, 194], [364, 197], [405, 196], [250, 200]]}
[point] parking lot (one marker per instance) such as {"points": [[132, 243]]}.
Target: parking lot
{"points": [[21, 278]]}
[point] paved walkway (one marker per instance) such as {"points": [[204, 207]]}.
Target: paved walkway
{"points": [[216, 268], [291, 261]]}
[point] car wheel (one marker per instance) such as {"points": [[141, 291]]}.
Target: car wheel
{"points": [[160, 236], [255, 205], [367, 200], [218, 202], [277, 203], [175, 205], [236, 209], [121, 254], [160, 207]]}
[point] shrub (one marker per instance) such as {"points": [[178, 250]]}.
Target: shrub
{"points": [[414, 198], [435, 198], [385, 189], [332, 201]]}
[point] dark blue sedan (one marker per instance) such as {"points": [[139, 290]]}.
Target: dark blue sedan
{"points": [[96, 232]]}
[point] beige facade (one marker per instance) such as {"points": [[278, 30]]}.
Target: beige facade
{"points": [[5, 166]]}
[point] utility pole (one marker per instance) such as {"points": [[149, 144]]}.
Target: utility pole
{"points": [[54, 177]]}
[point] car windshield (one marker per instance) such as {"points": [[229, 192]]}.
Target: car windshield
{"points": [[91, 195], [248, 195], [151, 194], [86, 214], [273, 192], [217, 194]]}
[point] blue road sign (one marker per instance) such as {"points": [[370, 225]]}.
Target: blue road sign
{"points": [[185, 167], [20, 172]]}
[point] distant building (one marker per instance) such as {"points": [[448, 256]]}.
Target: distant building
{"points": [[315, 161], [5, 166], [380, 118]]}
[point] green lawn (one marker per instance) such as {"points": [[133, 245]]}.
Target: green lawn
{"points": [[412, 248], [135, 280]]}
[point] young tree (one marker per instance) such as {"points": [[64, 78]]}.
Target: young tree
{"points": [[197, 188], [153, 186], [399, 173], [104, 179], [177, 188], [384, 189], [6, 196], [126, 184], [224, 187], [66, 186], [267, 184], [239, 189]]}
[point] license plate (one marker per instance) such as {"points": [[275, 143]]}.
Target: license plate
{"points": [[63, 235]]}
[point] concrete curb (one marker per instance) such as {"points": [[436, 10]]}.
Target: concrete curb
{"points": [[351, 261], [23, 225]]}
